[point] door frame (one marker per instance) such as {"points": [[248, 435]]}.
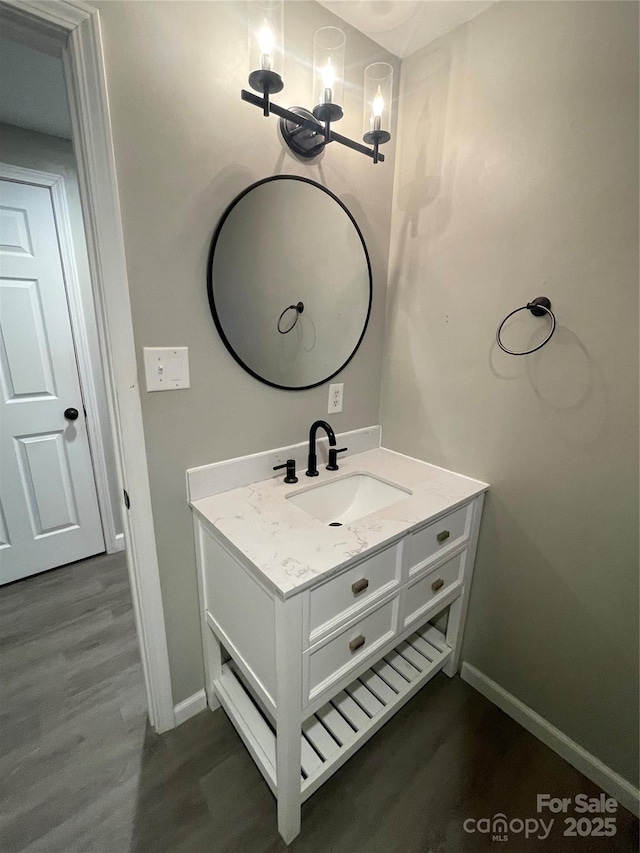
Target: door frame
{"points": [[72, 30], [55, 183]]}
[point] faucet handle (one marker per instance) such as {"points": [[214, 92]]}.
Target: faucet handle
{"points": [[290, 465], [333, 457]]}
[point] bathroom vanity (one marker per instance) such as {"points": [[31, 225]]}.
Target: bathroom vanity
{"points": [[317, 619]]}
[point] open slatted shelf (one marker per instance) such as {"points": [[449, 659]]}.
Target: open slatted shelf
{"points": [[331, 735]]}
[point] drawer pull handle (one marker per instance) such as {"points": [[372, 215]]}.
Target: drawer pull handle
{"points": [[443, 536], [436, 585], [356, 644], [359, 586]]}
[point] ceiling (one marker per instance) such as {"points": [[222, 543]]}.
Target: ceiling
{"points": [[33, 92], [404, 26]]}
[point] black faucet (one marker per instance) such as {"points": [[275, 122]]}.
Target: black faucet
{"points": [[312, 468]]}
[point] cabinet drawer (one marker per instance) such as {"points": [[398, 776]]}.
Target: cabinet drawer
{"points": [[334, 659], [437, 582], [438, 537], [346, 593]]}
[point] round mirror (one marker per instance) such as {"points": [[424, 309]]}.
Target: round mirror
{"points": [[289, 282]]}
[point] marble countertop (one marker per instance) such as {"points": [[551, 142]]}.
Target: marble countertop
{"points": [[290, 550]]}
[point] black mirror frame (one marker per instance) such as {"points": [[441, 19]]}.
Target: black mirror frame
{"points": [[212, 304]]}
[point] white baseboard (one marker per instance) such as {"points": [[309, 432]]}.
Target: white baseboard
{"points": [[189, 707], [113, 544], [610, 781]]}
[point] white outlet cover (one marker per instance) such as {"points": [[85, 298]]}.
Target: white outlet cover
{"points": [[166, 368], [336, 391]]}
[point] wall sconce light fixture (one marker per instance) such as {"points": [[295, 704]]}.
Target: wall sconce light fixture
{"points": [[306, 132], [266, 53], [378, 92]]}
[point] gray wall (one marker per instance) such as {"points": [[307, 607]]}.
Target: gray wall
{"points": [[185, 145], [20, 147], [33, 93], [517, 176]]}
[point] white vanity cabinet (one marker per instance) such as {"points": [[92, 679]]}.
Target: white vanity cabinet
{"points": [[310, 672]]}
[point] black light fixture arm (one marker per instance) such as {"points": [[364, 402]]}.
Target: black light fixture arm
{"points": [[267, 82], [377, 138], [330, 135]]}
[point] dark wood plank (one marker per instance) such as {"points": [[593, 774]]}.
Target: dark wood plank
{"points": [[81, 772]]}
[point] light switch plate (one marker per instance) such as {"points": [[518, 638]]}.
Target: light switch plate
{"points": [[166, 368]]}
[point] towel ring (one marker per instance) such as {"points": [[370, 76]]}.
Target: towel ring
{"points": [[299, 308], [539, 307]]}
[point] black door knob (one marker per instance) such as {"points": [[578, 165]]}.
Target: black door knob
{"points": [[71, 414]]}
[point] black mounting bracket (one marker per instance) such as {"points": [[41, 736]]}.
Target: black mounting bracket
{"points": [[539, 300], [294, 117]]}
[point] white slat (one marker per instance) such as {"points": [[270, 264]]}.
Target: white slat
{"points": [[349, 709], [413, 656], [320, 738], [403, 666], [364, 698], [336, 724], [378, 687], [390, 675], [423, 647], [433, 636], [309, 759], [252, 719]]}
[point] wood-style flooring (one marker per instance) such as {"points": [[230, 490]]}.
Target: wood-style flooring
{"points": [[81, 772]]}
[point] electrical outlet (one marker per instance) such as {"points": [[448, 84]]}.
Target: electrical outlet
{"points": [[335, 398]]}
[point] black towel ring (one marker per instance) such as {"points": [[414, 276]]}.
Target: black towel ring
{"points": [[299, 308], [539, 307]]}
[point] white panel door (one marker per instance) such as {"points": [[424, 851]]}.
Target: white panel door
{"points": [[49, 512]]}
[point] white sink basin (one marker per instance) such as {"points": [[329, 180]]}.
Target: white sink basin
{"points": [[347, 499]]}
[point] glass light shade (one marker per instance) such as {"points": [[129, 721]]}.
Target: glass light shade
{"points": [[378, 98], [328, 66], [266, 36]]}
